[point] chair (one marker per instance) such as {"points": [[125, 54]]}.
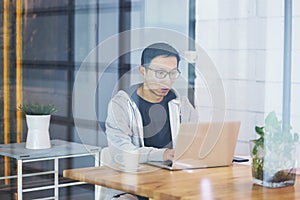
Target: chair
{"points": [[105, 159]]}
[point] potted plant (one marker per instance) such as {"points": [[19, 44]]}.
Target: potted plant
{"points": [[38, 120], [274, 154]]}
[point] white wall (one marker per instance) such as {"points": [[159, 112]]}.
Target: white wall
{"points": [[245, 40]]}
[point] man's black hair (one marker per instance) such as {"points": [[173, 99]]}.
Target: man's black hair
{"points": [[158, 49]]}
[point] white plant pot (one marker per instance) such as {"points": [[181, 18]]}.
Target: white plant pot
{"points": [[38, 132]]}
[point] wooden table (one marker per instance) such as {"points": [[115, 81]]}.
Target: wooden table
{"points": [[233, 182]]}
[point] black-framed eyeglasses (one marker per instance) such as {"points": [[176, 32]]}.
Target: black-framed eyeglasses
{"points": [[161, 74]]}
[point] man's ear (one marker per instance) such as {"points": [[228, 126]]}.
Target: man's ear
{"points": [[142, 70]]}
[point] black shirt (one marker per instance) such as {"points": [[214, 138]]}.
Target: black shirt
{"points": [[156, 121]]}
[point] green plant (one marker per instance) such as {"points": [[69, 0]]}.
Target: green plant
{"points": [[273, 152], [37, 109]]}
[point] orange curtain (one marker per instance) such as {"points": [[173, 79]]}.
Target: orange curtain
{"points": [[6, 77], [6, 91], [19, 96]]}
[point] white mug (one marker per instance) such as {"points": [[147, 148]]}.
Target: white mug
{"points": [[128, 160]]}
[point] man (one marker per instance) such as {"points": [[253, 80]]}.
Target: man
{"points": [[146, 117]]}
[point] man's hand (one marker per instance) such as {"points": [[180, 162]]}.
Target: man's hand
{"points": [[169, 154]]}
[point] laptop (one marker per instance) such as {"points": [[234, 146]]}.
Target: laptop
{"points": [[203, 145]]}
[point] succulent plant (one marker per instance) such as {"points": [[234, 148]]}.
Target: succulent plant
{"points": [[37, 109]]}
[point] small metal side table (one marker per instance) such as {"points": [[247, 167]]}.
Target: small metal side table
{"points": [[59, 149]]}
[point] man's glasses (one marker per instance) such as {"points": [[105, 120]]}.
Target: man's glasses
{"points": [[161, 74]]}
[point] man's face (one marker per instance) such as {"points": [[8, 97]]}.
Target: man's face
{"points": [[157, 85]]}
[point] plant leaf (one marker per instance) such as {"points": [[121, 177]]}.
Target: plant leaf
{"points": [[259, 130], [296, 137]]}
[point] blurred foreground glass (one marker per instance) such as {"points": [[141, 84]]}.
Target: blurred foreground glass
{"points": [[271, 168]]}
